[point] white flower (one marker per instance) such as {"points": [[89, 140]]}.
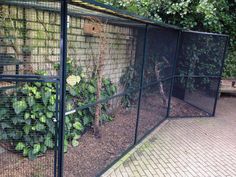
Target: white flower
{"points": [[73, 80]]}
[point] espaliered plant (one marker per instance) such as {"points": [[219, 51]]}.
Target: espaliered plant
{"points": [[28, 113]]}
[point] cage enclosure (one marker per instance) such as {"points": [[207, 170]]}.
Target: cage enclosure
{"points": [[82, 83]]}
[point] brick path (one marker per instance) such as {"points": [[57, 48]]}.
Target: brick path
{"points": [[204, 147]]}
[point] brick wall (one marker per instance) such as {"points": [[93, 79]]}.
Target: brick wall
{"points": [[36, 35]]}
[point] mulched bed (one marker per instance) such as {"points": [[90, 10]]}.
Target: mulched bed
{"points": [[182, 109], [93, 155]]}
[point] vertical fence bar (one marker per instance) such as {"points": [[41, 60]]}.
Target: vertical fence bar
{"points": [[141, 83], [56, 131], [220, 76], [63, 56], [173, 72]]}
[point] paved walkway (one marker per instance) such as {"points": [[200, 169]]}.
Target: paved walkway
{"points": [[186, 148]]}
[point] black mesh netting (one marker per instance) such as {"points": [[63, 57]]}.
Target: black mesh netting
{"points": [[123, 78]]}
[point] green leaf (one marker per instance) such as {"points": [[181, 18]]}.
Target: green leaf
{"points": [[20, 146], [51, 126], [106, 82], [3, 111], [43, 148], [27, 129], [32, 116], [52, 100], [30, 101], [31, 155], [80, 113], [36, 148], [72, 91], [75, 143], [27, 115], [78, 126], [39, 127], [65, 145], [3, 135], [42, 119], [38, 107], [25, 151], [15, 120], [38, 95], [52, 108], [45, 97], [33, 90], [38, 84], [5, 125], [49, 115], [69, 106], [91, 89], [86, 120], [19, 106], [113, 89], [48, 142], [76, 137], [28, 121]]}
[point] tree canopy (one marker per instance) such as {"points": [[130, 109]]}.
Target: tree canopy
{"points": [[203, 15]]}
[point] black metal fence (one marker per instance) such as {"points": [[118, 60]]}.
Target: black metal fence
{"points": [[82, 83]]}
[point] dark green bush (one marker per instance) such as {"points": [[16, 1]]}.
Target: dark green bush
{"points": [[230, 65]]}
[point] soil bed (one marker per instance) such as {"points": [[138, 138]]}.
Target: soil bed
{"points": [[93, 155]]}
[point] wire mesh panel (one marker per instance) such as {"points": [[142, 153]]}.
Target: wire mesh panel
{"points": [[116, 77], [199, 98], [201, 92], [154, 106], [30, 37], [93, 153], [105, 55], [28, 129], [198, 72], [29, 57], [201, 54], [160, 54]]}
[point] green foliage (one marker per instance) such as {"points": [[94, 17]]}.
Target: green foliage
{"points": [[197, 58], [203, 15], [27, 115], [19, 106], [130, 83], [230, 67]]}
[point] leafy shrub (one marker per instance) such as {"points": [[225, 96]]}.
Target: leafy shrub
{"points": [[27, 118], [130, 81], [230, 65], [27, 114]]}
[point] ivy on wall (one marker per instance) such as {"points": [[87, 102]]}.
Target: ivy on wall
{"points": [[28, 113]]}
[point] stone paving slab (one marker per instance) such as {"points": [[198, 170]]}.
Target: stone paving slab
{"points": [[196, 147]]}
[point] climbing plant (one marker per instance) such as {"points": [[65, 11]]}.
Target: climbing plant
{"points": [[28, 113]]}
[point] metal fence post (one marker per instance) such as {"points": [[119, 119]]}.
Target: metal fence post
{"points": [[141, 82], [56, 131], [220, 76], [173, 72], [63, 57]]}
